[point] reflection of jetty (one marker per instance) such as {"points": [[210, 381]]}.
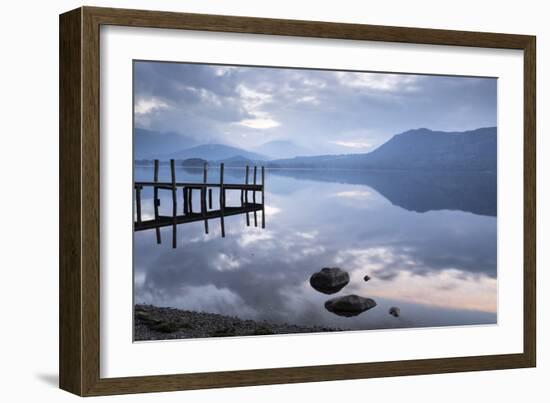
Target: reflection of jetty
{"points": [[206, 211]]}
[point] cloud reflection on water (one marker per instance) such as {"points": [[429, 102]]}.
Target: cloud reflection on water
{"points": [[439, 267]]}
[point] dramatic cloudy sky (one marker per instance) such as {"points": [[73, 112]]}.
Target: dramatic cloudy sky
{"points": [[318, 111]]}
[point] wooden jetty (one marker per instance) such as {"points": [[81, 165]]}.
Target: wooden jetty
{"points": [[206, 211]]}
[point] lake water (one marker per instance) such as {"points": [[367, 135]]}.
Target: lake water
{"points": [[427, 240]]}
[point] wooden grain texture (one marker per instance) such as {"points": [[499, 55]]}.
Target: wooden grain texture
{"points": [[90, 202], [315, 29], [530, 202], [70, 274], [79, 200]]}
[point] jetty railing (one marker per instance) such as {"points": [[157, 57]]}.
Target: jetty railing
{"points": [[206, 212]]}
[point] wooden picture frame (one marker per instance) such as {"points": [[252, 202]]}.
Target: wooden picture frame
{"points": [[79, 346]]}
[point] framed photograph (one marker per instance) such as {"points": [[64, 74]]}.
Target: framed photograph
{"points": [[249, 201]]}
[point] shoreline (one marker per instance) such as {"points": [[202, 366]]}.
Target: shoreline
{"points": [[164, 323]]}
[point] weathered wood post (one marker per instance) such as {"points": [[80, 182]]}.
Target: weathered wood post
{"points": [[203, 197], [263, 197], [222, 201], [174, 203], [254, 197], [138, 203], [184, 192], [246, 196], [242, 197], [156, 201]]}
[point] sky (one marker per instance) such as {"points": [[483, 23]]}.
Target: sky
{"points": [[308, 111]]}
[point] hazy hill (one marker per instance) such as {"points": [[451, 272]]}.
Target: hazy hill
{"points": [[416, 149], [192, 162], [420, 149], [213, 152]]}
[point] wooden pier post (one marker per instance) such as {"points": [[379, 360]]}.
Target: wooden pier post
{"points": [[263, 196], [184, 191], [206, 195], [156, 200], [254, 198], [203, 197], [138, 203], [222, 201], [246, 196], [174, 203], [242, 197]]}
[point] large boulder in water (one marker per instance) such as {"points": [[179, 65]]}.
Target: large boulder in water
{"points": [[349, 305], [329, 280]]}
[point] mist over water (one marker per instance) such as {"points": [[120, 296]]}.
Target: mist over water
{"points": [[428, 241]]}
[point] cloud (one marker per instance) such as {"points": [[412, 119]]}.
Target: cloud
{"points": [[253, 99], [226, 262], [259, 123], [380, 82], [328, 112], [205, 95], [249, 238], [224, 70], [146, 106], [307, 235], [271, 210], [421, 262], [308, 99], [320, 84], [449, 288], [252, 102]]}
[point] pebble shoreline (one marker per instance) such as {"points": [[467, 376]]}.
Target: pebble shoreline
{"points": [[155, 323]]}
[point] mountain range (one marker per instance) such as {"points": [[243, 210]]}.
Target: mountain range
{"points": [[415, 149], [420, 149]]}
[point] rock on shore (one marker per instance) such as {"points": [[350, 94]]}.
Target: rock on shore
{"points": [[154, 323]]}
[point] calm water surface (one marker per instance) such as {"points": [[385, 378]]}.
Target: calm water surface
{"points": [[427, 240]]}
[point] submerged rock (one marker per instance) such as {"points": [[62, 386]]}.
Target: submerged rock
{"points": [[394, 311], [366, 278], [349, 305], [329, 280]]}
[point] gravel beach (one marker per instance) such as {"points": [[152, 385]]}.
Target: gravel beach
{"points": [[154, 323]]}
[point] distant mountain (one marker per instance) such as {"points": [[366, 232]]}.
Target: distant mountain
{"points": [[282, 149], [213, 152], [149, 144], [474, 150]]}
